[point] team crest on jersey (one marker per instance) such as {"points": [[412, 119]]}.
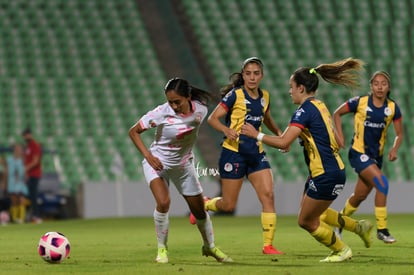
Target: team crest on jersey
{"points": [[152, 123], [228, 167], [263, 101], [337, 189], [364, 158], [387, 111]]}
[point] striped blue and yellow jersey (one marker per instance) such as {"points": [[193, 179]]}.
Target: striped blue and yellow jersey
{"points": [[371, 124], [241, 108], [320, 148]]}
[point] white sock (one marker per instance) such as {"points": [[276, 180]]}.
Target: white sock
{"points": [[206, 229], [162, 225]]}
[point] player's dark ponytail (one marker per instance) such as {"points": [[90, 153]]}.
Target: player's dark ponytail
{"points": [[236, 79], [183, 88]]}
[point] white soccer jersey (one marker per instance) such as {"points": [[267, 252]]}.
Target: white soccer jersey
{"points": [[175, 134]]}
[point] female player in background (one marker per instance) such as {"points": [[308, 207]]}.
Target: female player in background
{"points": [[245, 102], [312, 124], [372, 115], [16, 185], [170, 160]]}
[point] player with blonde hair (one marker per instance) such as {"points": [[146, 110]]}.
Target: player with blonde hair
{"points": [[312, 124]]}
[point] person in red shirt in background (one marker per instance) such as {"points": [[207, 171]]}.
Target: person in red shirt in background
{"points": [[33, 169]]}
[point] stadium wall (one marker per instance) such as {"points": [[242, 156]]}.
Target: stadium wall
{"points": [[109, 199]]}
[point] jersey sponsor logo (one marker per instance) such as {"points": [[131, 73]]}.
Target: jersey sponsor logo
{"points": [[228, 167], [374, 124], [364, 158], [337, 189], [387, 111], [247, 102], [368, 109], [249, 117]]}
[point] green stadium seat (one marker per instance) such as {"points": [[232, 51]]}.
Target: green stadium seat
{"points": [[77, 67], [290, 37], [82, 62]]}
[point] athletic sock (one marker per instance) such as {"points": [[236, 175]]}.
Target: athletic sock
{"points": [[381, 217], [348, 209], [334, 218], [268, 225], [162, 223], [206, 229], [14, 213], [326, 236], [22, 213]]}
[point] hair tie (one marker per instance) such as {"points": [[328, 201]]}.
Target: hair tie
{"points": [[313, 71]]}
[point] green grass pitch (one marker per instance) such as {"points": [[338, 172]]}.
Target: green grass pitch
{"points": [[128, 246]]}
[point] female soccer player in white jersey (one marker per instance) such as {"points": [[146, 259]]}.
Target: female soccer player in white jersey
{"points": [[170, 159]]}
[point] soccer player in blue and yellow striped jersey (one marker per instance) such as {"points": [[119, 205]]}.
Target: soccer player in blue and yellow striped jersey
{"points": [[245, 102], [373, 114], [312, 124]]}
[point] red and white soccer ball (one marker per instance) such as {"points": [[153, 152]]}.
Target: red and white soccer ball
{"points": [[53, 247]]}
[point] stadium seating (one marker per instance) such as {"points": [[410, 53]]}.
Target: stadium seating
{"points": [[81, 72], [289, 34]]}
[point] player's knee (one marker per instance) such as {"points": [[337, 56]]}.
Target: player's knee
{"points": [[230, 208], [269, 196], [200, 215], [381, 185], [164, 205], [358, 198], [226, 206]]}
